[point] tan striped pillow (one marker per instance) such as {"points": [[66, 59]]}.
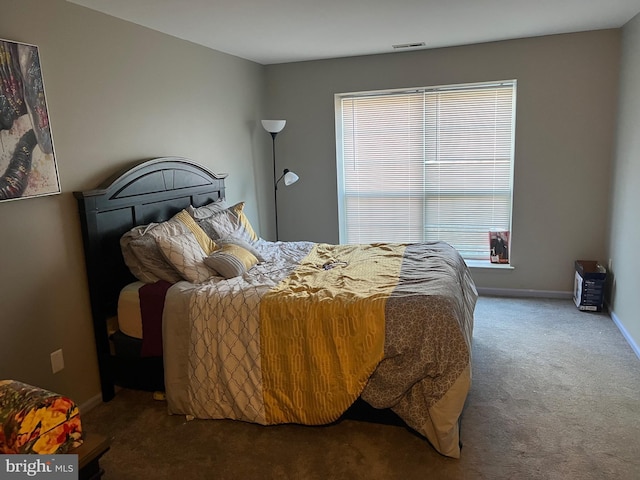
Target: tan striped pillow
{"points": [[231, 260]]}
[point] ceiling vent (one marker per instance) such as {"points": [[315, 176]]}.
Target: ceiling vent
{"points": [[402, 46]]}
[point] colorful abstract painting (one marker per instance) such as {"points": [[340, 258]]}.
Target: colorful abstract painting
{"points": [[27, 160]]}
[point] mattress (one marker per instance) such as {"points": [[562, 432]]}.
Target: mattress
{"points": [[129, 313], [140, 307]]}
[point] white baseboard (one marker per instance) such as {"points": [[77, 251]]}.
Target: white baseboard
{"points": [[92, 403], [521, 292], [627, 336]]}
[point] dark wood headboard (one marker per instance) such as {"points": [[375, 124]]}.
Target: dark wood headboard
{"points": [[150, 191]]}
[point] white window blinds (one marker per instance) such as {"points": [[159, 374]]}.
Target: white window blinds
{"points": [[426, 165]]}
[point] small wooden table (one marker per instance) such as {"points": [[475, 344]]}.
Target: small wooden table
{"points": [[89, 453]]}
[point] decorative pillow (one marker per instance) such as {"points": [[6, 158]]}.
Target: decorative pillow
{"points": [[229, 222], [142, 253], [238, 209], [231, 260], [220, 225], [200, 213], [184, 253], [207, 244], [145, 260], [241, 243], [136, 267]]}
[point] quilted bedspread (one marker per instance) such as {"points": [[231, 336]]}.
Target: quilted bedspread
{"points": [[300, 336]]}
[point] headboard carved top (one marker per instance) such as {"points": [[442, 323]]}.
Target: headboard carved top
{"points": [[152, 176]]}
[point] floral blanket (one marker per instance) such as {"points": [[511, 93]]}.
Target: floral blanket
{"points": [[33, 420]]}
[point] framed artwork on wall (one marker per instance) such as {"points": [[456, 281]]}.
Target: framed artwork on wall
{"points": [[28, 165]]}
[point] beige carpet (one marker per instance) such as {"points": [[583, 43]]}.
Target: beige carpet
{"points": [[555, 395]]}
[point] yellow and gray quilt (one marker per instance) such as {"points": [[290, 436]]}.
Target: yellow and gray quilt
{"points": [[301, 336]]}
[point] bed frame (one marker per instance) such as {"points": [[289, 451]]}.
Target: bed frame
{"points": [[149, 191]]}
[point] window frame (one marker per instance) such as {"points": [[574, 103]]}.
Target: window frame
{"points": [[340, 146]]}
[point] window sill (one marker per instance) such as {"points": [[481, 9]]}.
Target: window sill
{"points": [[488, 264]]}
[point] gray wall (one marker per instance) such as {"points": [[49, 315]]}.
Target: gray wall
{"points": [[117, 93], [625, 224], [567, 94]]}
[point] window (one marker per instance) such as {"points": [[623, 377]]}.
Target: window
{"points": [[426, 164]]}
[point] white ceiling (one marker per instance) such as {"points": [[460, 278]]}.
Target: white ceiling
{"points": [[280, 31]]}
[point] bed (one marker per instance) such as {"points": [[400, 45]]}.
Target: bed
{"points": [[296, 335]]}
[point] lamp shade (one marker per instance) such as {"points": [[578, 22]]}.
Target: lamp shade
{"points": [[273, 126], [290, 178]]}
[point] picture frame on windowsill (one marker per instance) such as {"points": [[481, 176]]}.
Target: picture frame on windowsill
{"points": [[499, 246]]}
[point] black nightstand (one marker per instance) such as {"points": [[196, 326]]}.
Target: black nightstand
{"points": [[89, 453]]}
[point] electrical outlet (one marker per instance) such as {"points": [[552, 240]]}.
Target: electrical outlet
{"points": [[57, 361]]}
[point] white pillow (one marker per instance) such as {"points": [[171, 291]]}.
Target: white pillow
{"points": [[143, 257], [184, 253], [142, 253], [199, 213], [229, 222], [241, 243]]}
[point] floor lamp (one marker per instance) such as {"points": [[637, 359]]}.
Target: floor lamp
{"points": [[274, 127]]}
